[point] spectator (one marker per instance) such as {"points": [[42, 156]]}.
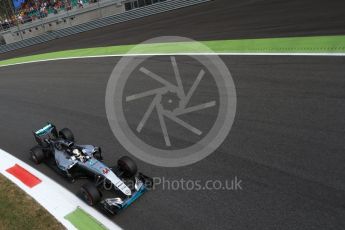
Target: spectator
{"points": [[80, 3], [36, 9]]}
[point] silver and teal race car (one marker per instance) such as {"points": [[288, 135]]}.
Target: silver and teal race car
{"points": [[112, 188]]}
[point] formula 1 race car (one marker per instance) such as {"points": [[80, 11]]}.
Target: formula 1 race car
{"points": [[58, 150]]}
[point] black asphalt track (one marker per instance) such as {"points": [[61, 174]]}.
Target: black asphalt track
{"points": [[219, 19], [286, 145]]}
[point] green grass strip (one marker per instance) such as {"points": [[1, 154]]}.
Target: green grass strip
{"points": [[317, 44], [20, 211], [83, 221]]}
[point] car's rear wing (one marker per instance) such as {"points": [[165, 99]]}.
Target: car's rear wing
{"points": [[47, 132]]}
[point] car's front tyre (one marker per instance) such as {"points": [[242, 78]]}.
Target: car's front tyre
{"points": [[98, 154], [90, 194], [127, 166]]}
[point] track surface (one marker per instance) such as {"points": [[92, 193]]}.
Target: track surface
{"points": [[286, 144], [219, 19]]}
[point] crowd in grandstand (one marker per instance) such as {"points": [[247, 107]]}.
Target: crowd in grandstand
{"points": [[35, 9], [6, 23]]}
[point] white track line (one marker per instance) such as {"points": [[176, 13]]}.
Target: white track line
{"points": [[184, 54], [52, 196]]}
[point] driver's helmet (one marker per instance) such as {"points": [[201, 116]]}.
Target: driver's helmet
{"points": [[76, 152]]}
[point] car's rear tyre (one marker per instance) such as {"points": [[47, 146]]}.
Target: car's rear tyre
{"points": [[91, 194], [37, 155], [127, 166], [66, 134]]}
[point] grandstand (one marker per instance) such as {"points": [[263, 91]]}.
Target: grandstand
{"points": [[36, 17], [32, 10]]}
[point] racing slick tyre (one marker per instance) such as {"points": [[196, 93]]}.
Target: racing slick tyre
{"points": [[66, 134], [98, 154], [127, 166], [90, 194], [37, 155]]}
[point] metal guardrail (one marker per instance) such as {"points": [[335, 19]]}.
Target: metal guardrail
{"points": [[102, 22]]}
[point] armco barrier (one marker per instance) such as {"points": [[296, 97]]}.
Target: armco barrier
{"points": [[118, 18]]}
